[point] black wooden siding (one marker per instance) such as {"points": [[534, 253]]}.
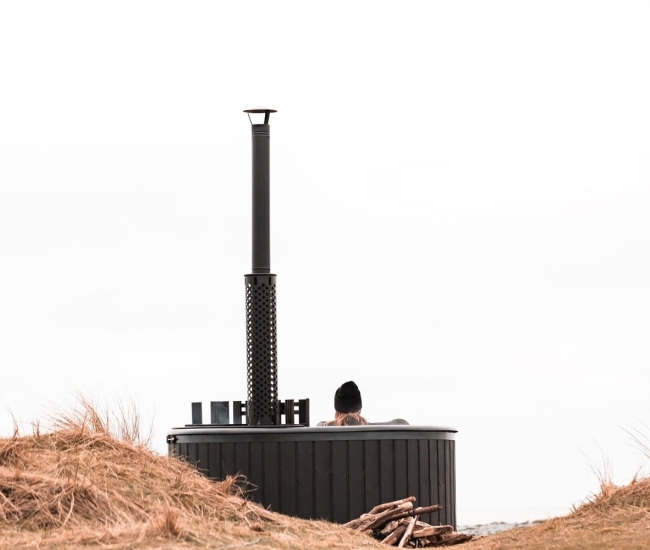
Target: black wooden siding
{"points": [[333, 474]]}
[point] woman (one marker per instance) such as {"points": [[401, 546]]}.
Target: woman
{"points": [[347, 406]]}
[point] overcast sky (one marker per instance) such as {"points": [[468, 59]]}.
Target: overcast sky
{"points": [[459, 220]]}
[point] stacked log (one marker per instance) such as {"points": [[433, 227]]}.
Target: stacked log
{"points": [[398, 524]]}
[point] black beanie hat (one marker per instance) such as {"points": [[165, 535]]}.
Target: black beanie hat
{"points": [[347, 398]]}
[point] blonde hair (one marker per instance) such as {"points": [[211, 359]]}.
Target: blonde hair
{"points": [[347, 419]]}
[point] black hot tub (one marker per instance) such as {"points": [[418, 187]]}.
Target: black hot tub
{"points": [[331, 473]]}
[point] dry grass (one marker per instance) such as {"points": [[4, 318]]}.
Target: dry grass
{"points": [[92, 481], [618, 517]]}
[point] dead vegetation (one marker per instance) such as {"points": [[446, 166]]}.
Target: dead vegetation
{"points": [[618, 517], [91, 481], [79, 485]]}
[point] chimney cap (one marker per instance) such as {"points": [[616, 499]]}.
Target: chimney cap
{"points": [[260, 110]]}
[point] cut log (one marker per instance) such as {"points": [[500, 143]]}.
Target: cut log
{"points": [[392, 539], [397, 523], [431, 530], [389, 527], [373, 521], [388, 505], [417, 511], [382, 518], [449, 540], [407, 534], [356, 524]]}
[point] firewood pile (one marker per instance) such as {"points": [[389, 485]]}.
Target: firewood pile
{"points": [[398, 524]]}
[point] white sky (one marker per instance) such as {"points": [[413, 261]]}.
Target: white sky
{"points": [[460, 198]]}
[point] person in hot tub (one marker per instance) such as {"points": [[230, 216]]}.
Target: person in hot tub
{"points": [[347, 407]]}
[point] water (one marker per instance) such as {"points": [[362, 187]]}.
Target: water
{"points": [[481, 516]]}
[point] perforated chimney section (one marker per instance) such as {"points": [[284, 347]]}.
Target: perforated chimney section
{"points": [[261, 348]]}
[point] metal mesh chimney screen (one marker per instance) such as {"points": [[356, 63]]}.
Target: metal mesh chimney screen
{"points": [[261, 349]]}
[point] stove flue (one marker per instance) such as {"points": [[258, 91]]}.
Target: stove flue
{"points": [[261, 333]]}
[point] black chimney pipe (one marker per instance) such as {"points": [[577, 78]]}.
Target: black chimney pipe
{"points": [[262, 407]]}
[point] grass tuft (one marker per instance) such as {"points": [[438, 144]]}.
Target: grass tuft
{"points": [[92, 480]]}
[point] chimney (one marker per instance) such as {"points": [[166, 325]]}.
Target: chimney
{"points": [[261, 328]]}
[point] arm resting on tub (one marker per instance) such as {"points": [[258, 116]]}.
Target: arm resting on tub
{"points": [[395, 421]]}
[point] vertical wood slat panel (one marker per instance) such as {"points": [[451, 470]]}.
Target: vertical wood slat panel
{"points": [[214, 454], [193, 453], [242, 459], [227, 459], [441, 481], [386, 470], [412, 467], [433, 480], [288, 481], [335, 479], [442, 465], [400, 470], [340, 487], [305, 472], [256, 468], [271, 475], [448, 502], [203, 459], [423, 472], [371, 464], [356, 480], [322, 480], [452, 490]]}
